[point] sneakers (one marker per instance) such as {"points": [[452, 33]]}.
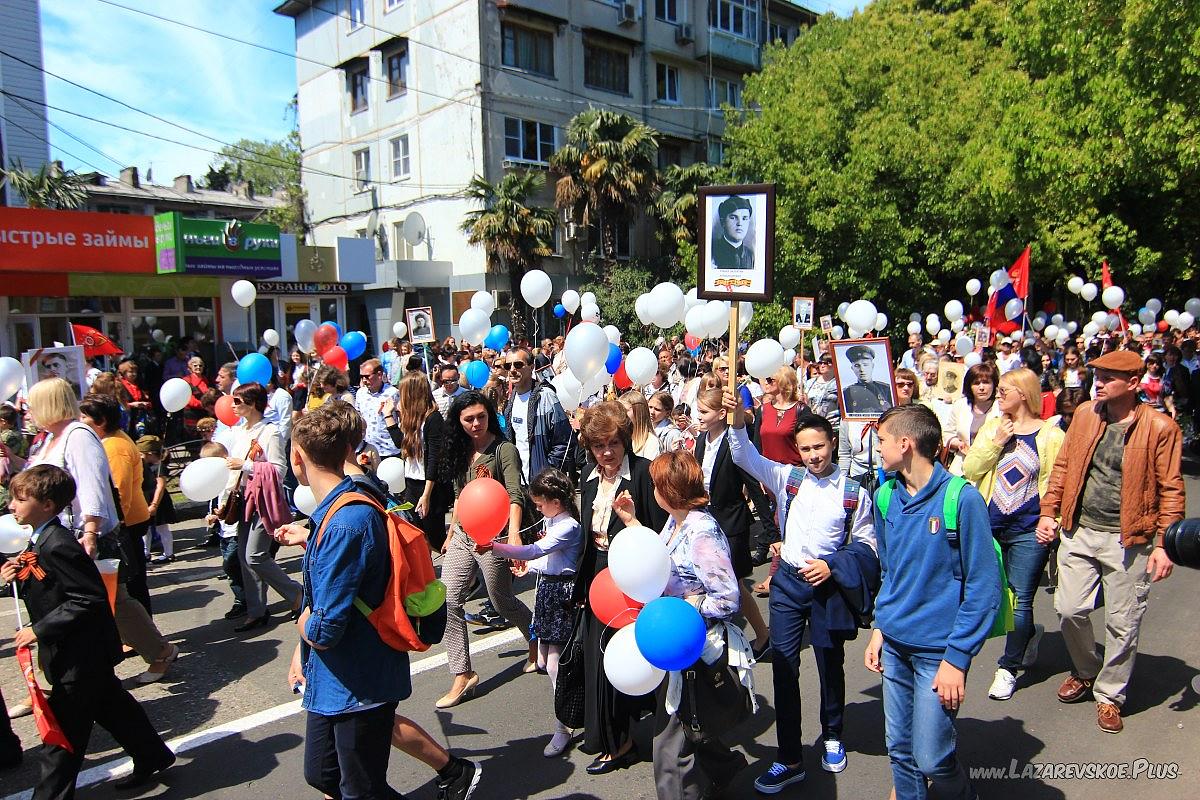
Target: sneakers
{"points": [[1031, 649], [1003, 685], [487, 617], [462, 785], [834, 757], [778, 777]]}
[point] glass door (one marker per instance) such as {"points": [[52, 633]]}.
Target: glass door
{"points": [[294, 309]]}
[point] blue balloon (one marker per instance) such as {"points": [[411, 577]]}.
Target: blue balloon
{"points": [[336, 327], [560, 310], [477, 374], [354, 343], [670, 633], [613, 362], [254, 368], [747, 397], [496, 338]]}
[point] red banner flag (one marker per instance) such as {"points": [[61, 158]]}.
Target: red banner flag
{"points": [[48, 727], [93, 342], [1105, 282], [1017, 288]]}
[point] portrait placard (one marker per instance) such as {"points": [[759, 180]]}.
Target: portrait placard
{"points": [[863, 370], [949, 381], [736, 242], [55, 362], [802, 313], [420, 325]]}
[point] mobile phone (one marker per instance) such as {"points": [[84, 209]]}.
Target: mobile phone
{"points": [[297, 688]]}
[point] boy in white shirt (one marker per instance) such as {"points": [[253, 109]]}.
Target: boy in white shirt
{"points": [[227, 532]]}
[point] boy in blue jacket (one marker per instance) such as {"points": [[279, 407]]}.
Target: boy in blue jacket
{"points": [[929, 622]]}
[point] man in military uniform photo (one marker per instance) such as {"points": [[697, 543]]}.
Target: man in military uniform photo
{"points": [[866, 397], [729, 252]]}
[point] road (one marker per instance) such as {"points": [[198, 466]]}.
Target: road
{"points": [[226, 710]]}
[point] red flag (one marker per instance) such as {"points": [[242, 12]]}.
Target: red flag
{"points": [[1019, 273], [48, 727], [1018, 287], [94, 342]]}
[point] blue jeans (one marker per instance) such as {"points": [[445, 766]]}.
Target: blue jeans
{"points": [[1024, 560], [920, 733], [233, 568]]}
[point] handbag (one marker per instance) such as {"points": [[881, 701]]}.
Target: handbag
{"points": [[235, 504], [569, 688], [713, 699]]}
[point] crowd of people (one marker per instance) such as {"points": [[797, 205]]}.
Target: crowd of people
{"points": [[1060, 461]]}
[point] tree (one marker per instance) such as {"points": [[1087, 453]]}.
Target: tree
{"points": [[676, 207], [514, 232], [607, 171], [292, 216], [49, 187]]}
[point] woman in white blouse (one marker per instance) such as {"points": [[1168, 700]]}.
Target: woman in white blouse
{"points": [[967, 415]]}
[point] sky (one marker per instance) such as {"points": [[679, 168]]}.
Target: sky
{"points": [[218, 88]]}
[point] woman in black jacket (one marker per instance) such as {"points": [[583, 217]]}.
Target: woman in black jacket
{"points": [[418, 429], [613, 470]]}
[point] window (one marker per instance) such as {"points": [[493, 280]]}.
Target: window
{"points": [[396, 65], [400, 160], [527, 48], [667, 83], [716, 151], [669, 153], [359, 80], [736, 17], [605, 68], [404, 250], [722, 92], [526, 140], [356, 13], [622, 240], [362, 169], [388, 5], [666, 10], [779, 33]]}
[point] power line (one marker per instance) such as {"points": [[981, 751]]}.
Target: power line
{"points": [[66, 132], [46, 141]]}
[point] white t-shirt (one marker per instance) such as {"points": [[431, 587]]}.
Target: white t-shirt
{"points": [[816, 519], [520, 425], [711, 446]]}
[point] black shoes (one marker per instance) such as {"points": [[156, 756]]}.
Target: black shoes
{"points": [[141, 775], [238, 610], [599, 767], [488, 618], [251, 624], [460, 780], [759, 557]]}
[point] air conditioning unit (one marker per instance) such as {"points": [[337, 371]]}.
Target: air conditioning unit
{"points": [[684, 34], [627, 13]]}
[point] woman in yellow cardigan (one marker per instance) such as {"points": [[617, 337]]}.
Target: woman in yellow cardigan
{"points": [[1010, 462]]}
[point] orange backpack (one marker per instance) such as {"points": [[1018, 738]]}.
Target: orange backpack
{"points": [[412, 615]]}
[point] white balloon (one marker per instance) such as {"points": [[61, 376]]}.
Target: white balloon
{"points": [[158, 335], [175, 394], [695, 322], [1089, 292], [1154, 304], [954, 310], [586, 350], [1074, 284], [691, 300], [933, 324], [763, 358], [11, 377], [971, 359], [399, 329], [841, 311], [789, 356], [1145, 316], [1112, 322], [641, 365], [1013, 308], [914, 327], [613, 334], [626, 668], [1192, 306], [304, 499], [569, 389], [1185, 320], [1171, 317], [837, 332], [716, 316], [1091, 329], [973, 287], [595, 384], [881, 322], [999, 278], [483, 301], [1100, 317], [855, 333], [589, 312], [570, 301], [641, 307], [1114, 296], [204, 479], [473, 325], [1135, 329], [391, 472], [1057, 319], [861, 315], [243, 293], [14, 537], [271, 337], [304, 331], [151, 321], [957, 325], [666, 305], [536, 288], [964, 345], [1051, 332], [639, 563], [789, 336], [587, 297], [745, 314], [1072, 327], [944, 335], [1062, 338], [914, 316]]}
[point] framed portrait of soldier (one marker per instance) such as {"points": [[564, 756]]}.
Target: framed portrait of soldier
{"points": [[55, 362], [420, 325], [983, 337], [949, 381], [863, 370], [736, 242], [802, 313], [827, 324]]}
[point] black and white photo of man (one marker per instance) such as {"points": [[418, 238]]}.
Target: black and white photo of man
{"points": [[863, 371], [420, 325], [737, 242], [731, 250]]}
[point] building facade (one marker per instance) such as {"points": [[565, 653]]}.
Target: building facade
{"points": [[24, 136], [401, 103]]}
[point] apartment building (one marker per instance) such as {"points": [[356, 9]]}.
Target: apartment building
{"points": [[401, 102], [24, 137]]}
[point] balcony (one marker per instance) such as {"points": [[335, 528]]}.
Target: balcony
{"points": [[729, 50]]}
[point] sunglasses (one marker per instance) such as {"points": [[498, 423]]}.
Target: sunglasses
{"points": [[448, 381], [768, 380], [514, 365], [907, 384], [237, 402], [365, 375]]}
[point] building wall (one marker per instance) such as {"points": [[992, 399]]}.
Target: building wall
{"points": [[23, 131]]}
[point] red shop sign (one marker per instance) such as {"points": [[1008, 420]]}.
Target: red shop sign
{"points": [[35, 239]]}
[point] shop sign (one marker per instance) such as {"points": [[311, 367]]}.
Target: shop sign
{"points": [[38, 239], [300, 287], [216, 247]]}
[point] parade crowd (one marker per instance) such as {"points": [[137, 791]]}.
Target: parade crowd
{"points": [[1054, 463]]}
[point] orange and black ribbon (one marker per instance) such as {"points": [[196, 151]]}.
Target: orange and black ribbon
{"points": [[28, 564]]}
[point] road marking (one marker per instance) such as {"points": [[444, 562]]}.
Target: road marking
{"points": [[120, 767]]}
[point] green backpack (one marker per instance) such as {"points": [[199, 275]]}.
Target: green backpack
{"points": [[1003, 623]]}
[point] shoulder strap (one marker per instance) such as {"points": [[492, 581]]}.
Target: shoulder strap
{"points": [[850, 504], [344, 499], [950, 507], [883, 496]]}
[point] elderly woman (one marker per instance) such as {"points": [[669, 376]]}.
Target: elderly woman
{"points": [[701, 573], [609, 715], [73, 446]]}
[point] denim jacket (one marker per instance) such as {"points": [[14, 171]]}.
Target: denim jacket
{"points": [[356, 668]]}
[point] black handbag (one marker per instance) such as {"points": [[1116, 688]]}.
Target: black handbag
{"points": [[569, 689], [713, 700]]}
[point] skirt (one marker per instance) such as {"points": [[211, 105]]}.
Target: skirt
{"points": [[739, 554], [553, 615]]}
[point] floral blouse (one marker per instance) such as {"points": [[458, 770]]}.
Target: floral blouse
{"points": [[700, 565]]}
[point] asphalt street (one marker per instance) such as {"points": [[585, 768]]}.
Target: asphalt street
{"points": [[226, 709]]}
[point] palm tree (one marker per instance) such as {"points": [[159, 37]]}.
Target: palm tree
{"points": [[676, 207], [49, 187], [608, 170], [515, 233]]}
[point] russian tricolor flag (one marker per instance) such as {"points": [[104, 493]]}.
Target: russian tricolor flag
{"points": [[1017, 287]]}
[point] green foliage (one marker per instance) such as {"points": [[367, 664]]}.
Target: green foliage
{"points": [[268, 165], [675, 208], [49, 187]]}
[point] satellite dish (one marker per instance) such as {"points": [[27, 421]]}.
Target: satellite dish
{"points": [[415, 231]]}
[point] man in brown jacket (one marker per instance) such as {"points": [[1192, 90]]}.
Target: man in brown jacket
{"points": [[1115, 488]]}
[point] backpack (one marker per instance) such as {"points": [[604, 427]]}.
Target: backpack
{"points": [[849, 496], [412, 615], [1004, 622]]}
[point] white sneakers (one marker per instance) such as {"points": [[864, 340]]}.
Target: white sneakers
{"points": [[1003, 685]]}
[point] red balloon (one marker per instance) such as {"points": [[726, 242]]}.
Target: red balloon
{"points": [[690, 342], [325, 338], [336, 357], [1050, 306], [610, 605], [621, 379], [224, 409], [483, 508], [1162, 326]]}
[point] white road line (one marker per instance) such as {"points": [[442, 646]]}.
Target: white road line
{"points": [[120, 767]]}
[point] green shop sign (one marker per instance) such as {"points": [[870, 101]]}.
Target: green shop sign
{"points": [[216, 247]]}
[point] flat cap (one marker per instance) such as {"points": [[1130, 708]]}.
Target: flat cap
{"points": [[1119, 361]]}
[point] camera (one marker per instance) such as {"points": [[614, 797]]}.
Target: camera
{"points": [[1182, 542]]}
